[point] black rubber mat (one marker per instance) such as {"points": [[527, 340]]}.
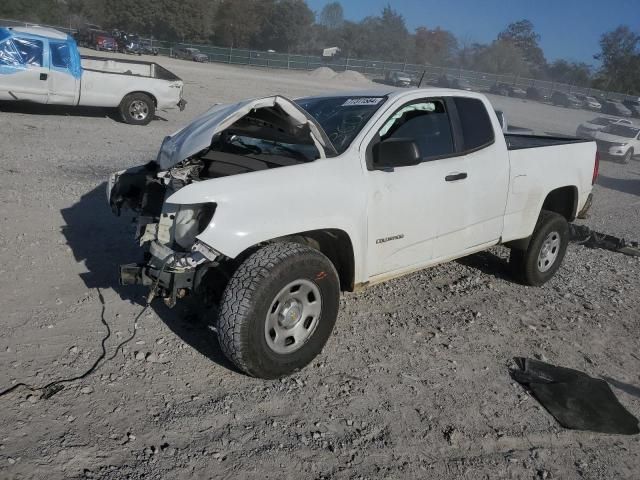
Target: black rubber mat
{"points": [[575, 399]]}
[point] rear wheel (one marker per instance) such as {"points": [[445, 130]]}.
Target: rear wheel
{"points": [[278, 310], [547, 247], [137, 109]]}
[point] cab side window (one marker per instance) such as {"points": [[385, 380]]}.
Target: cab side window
{"points": [[477, 130], [60, 56], [30, 51], [424, 122], [8, 54]]}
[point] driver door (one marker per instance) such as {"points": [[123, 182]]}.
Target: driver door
{"points": [[23, 72], [405, 203]]}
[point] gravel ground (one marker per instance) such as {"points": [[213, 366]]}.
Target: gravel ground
{"points": [[413, 383]]}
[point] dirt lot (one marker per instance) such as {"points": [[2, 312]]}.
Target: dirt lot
{"points": [[414, 382]]}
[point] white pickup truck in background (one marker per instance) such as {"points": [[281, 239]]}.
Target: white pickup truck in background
{"points": [[43, 65], [270, 208]]}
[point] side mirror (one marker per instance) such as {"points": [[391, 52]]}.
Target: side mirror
{"points": [[395, 152]]}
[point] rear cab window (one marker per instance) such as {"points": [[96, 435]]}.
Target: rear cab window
{"points": [[60, 55], [475, 124]]}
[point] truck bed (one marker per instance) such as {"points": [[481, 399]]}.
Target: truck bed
{"points": [[518, 141], [135, 68]]}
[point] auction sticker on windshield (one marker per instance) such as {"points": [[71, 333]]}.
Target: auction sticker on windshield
{"points": [[351, 102]]}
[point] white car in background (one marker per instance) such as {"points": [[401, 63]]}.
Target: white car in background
{"points": [[618, 141], [589, 102], [589, 128]]}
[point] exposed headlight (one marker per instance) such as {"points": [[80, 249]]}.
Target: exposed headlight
{"points": [[190, 221]]}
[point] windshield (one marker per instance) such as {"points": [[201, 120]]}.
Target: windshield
{"points": [[621, 131], [342, 117]]}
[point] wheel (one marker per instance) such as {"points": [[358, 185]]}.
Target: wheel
{"points": [[278, 310], [627, 156], [545, 252], [137, 109]]}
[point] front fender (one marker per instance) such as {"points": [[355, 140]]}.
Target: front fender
{"points": [[256, 207]]}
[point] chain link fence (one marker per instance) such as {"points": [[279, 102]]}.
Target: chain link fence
{"points": [[377, 69]]}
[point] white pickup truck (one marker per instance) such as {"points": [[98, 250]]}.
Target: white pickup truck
{"points": [[43, 65], [269, 208]]}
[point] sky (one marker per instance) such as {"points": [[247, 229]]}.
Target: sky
{"points": [[569, 29]]}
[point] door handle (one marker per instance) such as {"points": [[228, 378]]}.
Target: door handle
{"points": [[456, 176], [43, 76]]}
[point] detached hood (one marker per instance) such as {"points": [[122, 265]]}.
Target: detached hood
{"points": [[197, 136]]}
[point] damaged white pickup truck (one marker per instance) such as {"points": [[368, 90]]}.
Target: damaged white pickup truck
{"points": [[269, 208]]}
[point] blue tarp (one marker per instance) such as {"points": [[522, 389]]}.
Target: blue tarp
{"points": [[19, 50]]}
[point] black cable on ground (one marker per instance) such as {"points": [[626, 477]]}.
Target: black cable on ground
{"points": [[54, 387], [50, 389]]}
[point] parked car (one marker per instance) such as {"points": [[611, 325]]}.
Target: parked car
{"points": [[449, 81], [589, 128], [190, 54], [147, 48], [563, 99], [507, 90], [499, 89], [398, 79], [590, 103], [620, 142], [614, 107], [43, 65], [97, 39], [633, 106], [274, 260], [534, 93]]}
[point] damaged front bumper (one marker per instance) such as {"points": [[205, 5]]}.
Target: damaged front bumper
{"points": [[169, 274]]}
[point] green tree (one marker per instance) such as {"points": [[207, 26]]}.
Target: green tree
{"points": [[574, 73], [501, 57], [620, 57], [523, 35], [236, 23], [436, 47], [332, 16], [284, 24]]}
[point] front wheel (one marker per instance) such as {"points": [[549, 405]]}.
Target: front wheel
{"points": [[627, 156], [278, 310], [137, 109], [547, 247]]}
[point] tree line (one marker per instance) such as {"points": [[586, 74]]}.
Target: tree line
{"points": [[291, 26]]}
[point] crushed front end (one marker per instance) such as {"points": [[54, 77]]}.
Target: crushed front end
{"points": [[175, 261]]}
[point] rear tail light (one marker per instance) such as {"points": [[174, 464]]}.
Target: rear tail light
{"points": [[596, 168]]}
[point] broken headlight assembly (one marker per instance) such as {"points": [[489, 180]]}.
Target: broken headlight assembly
{"points": [[190, 221]]}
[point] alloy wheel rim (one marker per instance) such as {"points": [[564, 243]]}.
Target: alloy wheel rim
{"points": [[138, 110]]}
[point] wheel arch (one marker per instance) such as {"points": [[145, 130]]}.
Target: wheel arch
{"points": [[149, 94], [561, 200], [334, 243], [564, 201]]}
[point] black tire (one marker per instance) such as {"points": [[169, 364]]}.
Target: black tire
{"points": [[252, 292], [528, 265], [129, 104], [627, 156]]}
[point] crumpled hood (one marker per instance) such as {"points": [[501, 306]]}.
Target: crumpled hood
{"points": [[198, 134]]}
